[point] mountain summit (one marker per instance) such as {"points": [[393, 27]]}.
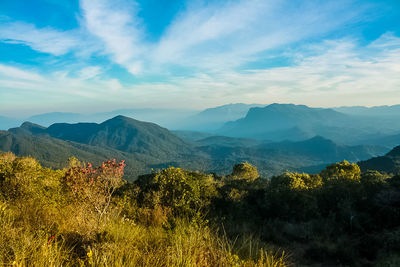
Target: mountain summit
{"points": [[278, 121], [121, 133]]}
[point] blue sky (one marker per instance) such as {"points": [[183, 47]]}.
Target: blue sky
{"points": [[96, 55]]}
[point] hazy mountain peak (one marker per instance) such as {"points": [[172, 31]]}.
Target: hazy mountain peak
{"points": [[119, 119], [280, 121], [31, 125]]}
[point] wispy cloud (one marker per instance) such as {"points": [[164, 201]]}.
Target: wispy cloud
{"points": [[220, 36], [334, 71], [115, 24], [16, 73], [90, 72], [208, 37], [46, 40]]}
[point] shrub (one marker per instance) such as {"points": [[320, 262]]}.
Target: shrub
{"points": [[94, 186], [244, 171], [299, 181], [183, 191], [342, 171]]}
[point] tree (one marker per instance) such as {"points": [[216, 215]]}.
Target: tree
{"points": [[342, 171], [299, 181], [244, 171], [94, 186], [183, 191]]}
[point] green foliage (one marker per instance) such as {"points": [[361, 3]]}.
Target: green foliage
{"points": [[88, 216], [342, 171], [50, 218], [182, 191], [245, 171], [300, 181], [373, 177]]}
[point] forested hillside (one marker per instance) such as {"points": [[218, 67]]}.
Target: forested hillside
{"points": [[89, 215]]}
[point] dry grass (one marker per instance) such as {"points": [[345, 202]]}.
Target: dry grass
{"points": [[42, 226]]}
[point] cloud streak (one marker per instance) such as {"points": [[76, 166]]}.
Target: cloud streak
{"points": [[115, 24], [46, 40]]}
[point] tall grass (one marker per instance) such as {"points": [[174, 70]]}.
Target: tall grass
{"points": [[41, 225]]}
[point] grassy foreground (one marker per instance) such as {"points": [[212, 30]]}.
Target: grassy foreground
{"points": [[89, 216]]}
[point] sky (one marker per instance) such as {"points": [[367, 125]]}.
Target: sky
{"points": [[100, 55]]}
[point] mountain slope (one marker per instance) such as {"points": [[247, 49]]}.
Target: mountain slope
{"points": [[278, 122], [273, 158], [124, 134], [146, 146], [271, 121], [385, 140], [55, 153], [328, 151], [211, 119], [376, 111], [389, 163], [227, 141], [47, 119]]}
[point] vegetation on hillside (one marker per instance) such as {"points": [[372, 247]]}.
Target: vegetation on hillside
{"points": [[88, 215], [147, 146]]}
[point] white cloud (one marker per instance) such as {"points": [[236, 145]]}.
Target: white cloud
{"points": [[16, 73], [90, 72], [212, 37], [338, 71], [115, 23], [222, 36], [47, 40]]}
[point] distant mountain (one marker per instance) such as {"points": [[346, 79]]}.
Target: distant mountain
{"points": [[191, 136], [121, 133], [328, 151], [379, 121], [389, 163], [28, 128], [170, 118], [205, 139], [279, 121], [143, 145], [7, 122], [313, 154], [377, 111], [383, 140], [47, 119], [166, 117], [211, 119], [227, 141], [147, 146]]}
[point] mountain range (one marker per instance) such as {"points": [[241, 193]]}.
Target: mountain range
{"points": [[167, 117], [378, 111], [275, 122], [146, 146], [278, 122]]}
